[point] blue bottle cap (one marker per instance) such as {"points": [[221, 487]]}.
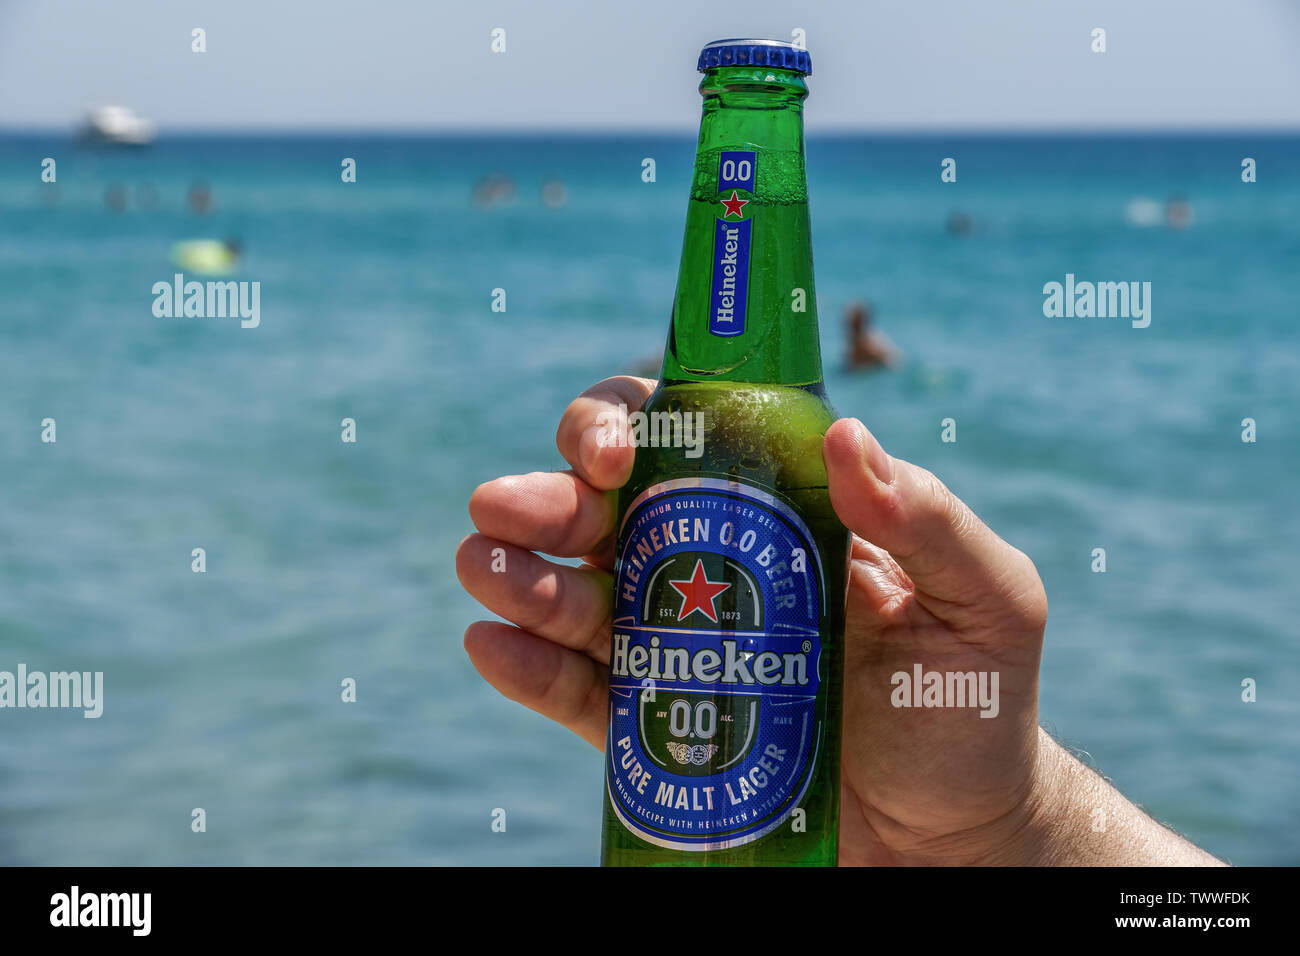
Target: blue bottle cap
{"points": [[775, 53]]}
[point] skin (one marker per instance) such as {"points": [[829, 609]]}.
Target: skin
{"points": [[868, 348], [929, 583]]}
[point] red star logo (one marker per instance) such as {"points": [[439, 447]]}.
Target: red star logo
{"points": [[699, 593], [733, 204]]}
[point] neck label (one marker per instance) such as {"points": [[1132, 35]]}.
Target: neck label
{"points": [[731, 244], [736, 170]]}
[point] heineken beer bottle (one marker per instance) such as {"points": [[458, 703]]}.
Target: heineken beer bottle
{"points": [[727, 645]]}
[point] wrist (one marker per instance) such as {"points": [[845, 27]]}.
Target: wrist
{"points": [[1032, 833], [1072, 817]]}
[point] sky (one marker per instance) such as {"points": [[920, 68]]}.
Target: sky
{"points": [[605, 65]]}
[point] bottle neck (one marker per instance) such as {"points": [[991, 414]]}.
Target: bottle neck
{"points": [[745, 308]]}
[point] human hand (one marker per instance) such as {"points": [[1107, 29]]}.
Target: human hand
{"points": [[929, 584]]}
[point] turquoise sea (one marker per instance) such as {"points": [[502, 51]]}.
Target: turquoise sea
{"points": [[328, 560]]}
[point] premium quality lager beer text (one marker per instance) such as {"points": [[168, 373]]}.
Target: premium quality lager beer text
{"points": [[727, 645]]}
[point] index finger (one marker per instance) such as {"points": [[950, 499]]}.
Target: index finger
{"points": [[592, 435]]}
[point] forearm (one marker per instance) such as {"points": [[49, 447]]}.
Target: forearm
{"points": [[1076, 818]]}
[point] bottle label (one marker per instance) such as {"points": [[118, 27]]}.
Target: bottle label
{"points": [[714, 667], [731, 245], [736, 169]]}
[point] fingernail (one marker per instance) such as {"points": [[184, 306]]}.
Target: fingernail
{"points": [[881, 465]]}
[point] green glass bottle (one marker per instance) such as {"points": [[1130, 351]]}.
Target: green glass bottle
{"points": [[727, 653]]}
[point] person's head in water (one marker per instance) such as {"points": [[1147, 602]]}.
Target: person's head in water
{"points": [[115, 197], [1178, 211], [200, 198], [960, 224], [234, 246], [859, 316]]}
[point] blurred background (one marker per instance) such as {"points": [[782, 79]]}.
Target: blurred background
{"points": [[522, 170]]}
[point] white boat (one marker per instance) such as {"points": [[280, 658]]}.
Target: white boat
{"points": [[117, 125]]}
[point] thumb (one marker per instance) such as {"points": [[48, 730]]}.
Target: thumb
{"points": [[963, 572]]}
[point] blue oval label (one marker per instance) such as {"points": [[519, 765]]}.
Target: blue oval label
{"points": [[714, 665]]}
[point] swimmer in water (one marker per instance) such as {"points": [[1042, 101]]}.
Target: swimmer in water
{"points": [[960, 224], [207, 256], [554, 193], [867, 348], [115, 198], [1178, 212], [494, 190], [200, 198]]}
